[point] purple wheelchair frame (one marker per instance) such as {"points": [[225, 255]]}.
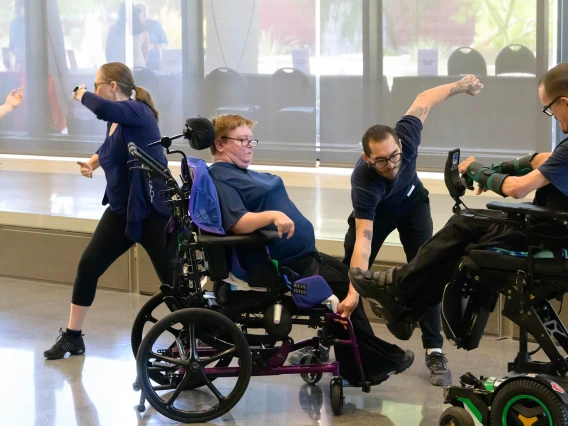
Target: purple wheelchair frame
{"points": [[278, 355]]}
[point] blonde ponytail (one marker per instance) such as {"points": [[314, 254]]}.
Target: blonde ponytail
{"points": [[143, 95], [121, 74]]}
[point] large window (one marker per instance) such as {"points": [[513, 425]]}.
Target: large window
{"points": [[314, 74]]}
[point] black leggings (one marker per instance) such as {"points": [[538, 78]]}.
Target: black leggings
{"points": [[109, 243]]}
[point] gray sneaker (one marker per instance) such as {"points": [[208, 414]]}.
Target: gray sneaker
{"points": [[440, 374]]}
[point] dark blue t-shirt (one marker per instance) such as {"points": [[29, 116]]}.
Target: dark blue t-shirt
{"points": [[243, 190], [555, 170], [368, 188], [127, 192]]}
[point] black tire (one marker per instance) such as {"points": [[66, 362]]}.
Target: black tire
{"points": [[144, 316], [517, 397], [310, 359], [336, 395], [456, 416], [235, 345]]}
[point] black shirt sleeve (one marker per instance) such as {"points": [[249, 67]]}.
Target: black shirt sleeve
{"points": [[409, 129], [365, 194]]}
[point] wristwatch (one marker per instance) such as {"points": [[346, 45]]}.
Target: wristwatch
{"points": [[75, 90]]}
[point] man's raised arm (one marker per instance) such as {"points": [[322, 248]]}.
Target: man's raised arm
{"points": [[420, 108]]}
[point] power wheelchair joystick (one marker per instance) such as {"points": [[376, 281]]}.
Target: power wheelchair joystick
{"points": [[452, 179]]}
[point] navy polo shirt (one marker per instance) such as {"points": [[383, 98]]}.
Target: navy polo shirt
{"points": [[243, 190], [127, 191], [369, 189], [555, 170]]}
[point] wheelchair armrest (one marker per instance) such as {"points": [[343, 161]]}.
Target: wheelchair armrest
{"points": [[257, 237], [528, 209]]}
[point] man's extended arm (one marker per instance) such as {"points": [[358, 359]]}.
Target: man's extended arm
{"points": [[528, 178], [427, 99]]}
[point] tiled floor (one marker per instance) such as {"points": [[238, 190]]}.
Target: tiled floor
{"points": [[96, 389]]}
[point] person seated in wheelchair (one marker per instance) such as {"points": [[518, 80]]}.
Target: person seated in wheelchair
{"points": [[404, 293], [251, 200]]}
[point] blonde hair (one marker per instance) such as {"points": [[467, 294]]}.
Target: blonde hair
{"points": [[122, 76], [225, 123]]}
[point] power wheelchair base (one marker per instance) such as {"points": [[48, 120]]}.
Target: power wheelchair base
{"points": [[515, 399], [532, 392]]}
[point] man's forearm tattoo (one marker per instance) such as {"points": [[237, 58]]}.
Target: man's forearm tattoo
{"points": [[418, 111], [464, 85]]}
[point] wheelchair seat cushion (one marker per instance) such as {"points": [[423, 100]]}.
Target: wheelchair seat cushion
{"points": [[503, 262]]}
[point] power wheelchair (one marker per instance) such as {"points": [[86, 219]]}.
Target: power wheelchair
{"points": [[531, 393], [208, 339]]}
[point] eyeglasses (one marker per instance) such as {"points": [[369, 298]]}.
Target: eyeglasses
{"points": [[547, 110], [244, 141], [382, 163], [99, 84]]}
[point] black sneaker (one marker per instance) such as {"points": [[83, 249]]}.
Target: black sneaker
{"points": [[378, 288], [401, 329], [295, 357], [65, 343], [440, 374]]}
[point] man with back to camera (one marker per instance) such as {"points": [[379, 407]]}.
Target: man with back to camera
{"points": [[157, 37], [387, 195], [405, 293]]}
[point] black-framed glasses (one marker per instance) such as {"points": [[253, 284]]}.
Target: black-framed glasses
{"points": [[99, 84], [382, 163], [547, 110], [243, 141]]}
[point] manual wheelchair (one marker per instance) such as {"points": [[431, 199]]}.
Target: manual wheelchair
{"points": [[208, 341], [531, 393]]}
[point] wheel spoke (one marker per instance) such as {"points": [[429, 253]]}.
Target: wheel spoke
{"points": [[192, 342], [212, 387], [209, 360], [175, 361], [182, 385], [151, 318], [181, 348], [162, 367]]}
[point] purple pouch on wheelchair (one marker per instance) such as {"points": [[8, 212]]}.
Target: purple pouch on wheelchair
{"points": [[309, 292]]}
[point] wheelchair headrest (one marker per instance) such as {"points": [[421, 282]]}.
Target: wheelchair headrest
{"points": [[201, 132]]}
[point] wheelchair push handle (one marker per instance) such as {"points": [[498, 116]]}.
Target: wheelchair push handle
{"points": [[152, 166]]}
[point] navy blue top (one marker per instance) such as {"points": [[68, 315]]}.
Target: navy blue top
{"points": [[127, 192], [242, 190], [368, 188], [555, 170]]}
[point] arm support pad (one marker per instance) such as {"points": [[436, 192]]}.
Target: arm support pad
{"points": [[486, 177], [518, 167]]}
